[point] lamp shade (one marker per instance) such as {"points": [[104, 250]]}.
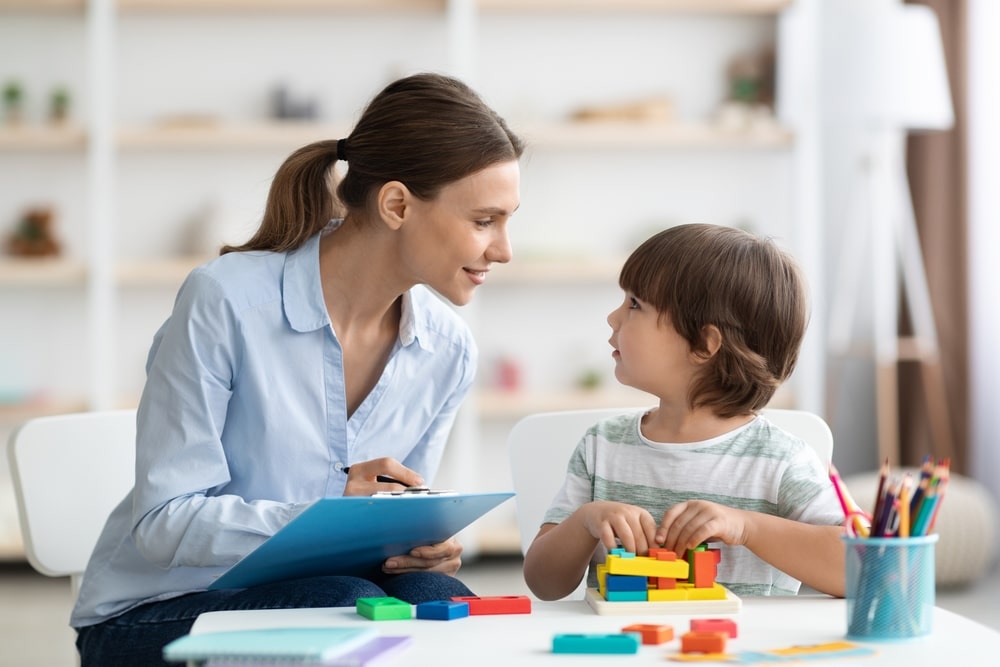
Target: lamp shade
{"points": [[884, 67]]}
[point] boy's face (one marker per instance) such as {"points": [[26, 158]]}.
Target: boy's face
{"points": [[649, 354]]}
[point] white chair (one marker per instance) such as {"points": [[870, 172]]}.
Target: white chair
{"points": [[540, 445], [69, 472]]}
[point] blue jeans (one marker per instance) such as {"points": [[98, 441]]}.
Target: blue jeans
{"points": [[138, 636]]}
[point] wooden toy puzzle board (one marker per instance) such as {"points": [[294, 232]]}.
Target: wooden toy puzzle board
{"points": [[730, 605]]}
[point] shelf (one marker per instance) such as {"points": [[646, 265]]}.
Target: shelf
{"points": [[42, 272], [659, 6], [282, 5], [613, 134], [493, 404], [42, 137], [228, 135], [43, 5], [166, 272]]}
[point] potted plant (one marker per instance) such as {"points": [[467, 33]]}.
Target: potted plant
{"points": [[13, 99]]}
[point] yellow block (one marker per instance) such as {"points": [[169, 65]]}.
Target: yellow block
{"points": [[644, 566], [667, 595], [716, 592]]}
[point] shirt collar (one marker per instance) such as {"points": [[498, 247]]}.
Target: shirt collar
{"points": [[305, 308]]}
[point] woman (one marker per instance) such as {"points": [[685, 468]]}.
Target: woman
{"points": [[314, 347]]}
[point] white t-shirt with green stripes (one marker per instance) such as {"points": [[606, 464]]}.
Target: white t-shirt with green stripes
{"points": [[756, 467]]}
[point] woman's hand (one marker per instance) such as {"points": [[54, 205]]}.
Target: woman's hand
{"points": [[688, 524], [444, 557], [363, 478], [612, 522]]}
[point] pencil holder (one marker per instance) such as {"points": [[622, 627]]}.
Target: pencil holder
{"points": [[890, 587]]}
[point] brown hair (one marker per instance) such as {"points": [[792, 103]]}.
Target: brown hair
{"points": [[425, 130], [698, 275]]}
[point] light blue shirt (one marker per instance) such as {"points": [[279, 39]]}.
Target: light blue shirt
{"points": [[243, 422]]}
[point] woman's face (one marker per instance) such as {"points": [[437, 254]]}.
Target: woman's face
{"points": [[459, 234]]}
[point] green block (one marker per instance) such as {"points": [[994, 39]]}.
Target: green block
{"points": [[384, 609]]}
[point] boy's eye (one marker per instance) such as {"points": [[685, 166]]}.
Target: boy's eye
{"points": [[633, 302]]}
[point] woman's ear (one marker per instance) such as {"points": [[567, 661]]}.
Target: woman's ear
{"points": [[711, 339], [393, 204]]}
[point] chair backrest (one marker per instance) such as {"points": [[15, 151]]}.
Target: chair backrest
{"points": [[540, 445], [69, 472]]}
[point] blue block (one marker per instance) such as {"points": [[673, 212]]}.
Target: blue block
{"points": [[625, 582], [626, 596], [442, 610], [622, 553], [624, 642]]}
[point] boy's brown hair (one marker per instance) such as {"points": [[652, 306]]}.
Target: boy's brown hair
{"points": [[698, 275]]}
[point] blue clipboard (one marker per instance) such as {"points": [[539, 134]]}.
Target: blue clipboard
{"points": [[353, 534]]}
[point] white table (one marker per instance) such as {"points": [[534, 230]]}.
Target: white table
{"points": [[526, 639]]}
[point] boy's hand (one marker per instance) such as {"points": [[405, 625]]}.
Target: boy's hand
{"points": [[688, 524], [633, 526]]}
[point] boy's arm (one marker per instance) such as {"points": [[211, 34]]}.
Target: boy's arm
{"points": [[812, 554], [560, 554], [557, 559]]}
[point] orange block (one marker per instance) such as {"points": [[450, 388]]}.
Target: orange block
{"points": [[703, 642], [705, 566], [652, 633], [659, 553]]}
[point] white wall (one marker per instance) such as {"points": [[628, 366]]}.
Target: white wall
{"points": [[984, 239]]}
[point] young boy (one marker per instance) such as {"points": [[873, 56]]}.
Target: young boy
{"points": [[711, 324]]}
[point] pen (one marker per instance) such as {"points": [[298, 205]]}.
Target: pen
{"points": [[384, 479]]}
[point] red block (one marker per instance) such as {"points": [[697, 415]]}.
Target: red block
{"points": [[499, 604], [726, 625]]}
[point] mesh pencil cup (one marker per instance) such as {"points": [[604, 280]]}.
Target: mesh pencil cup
{"points": [[890, 587]]}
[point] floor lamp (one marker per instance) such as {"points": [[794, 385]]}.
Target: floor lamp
{"points": [[890, 71]]}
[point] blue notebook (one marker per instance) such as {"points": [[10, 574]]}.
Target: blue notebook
{"points": [[354, 534], [304, 645]]}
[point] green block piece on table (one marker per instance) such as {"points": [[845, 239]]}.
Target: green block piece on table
{"points": [[384, 609], [625, 642]]}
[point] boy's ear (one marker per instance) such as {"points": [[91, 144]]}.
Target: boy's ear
{"points": [[711, 339], [392, 204]]}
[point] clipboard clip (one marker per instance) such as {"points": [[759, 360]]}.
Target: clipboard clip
{"points": [[416, 491]]}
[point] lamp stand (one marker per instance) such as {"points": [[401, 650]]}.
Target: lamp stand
{"points": [[887, 232]]}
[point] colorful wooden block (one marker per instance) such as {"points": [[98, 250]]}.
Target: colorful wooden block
{"points": [[704, 565], [384, 609], [703, 642], [647, 567], [726, 625], [666, 594], [498, 604], [623, 582], [442, 610], [626, 596], [659, 553], [652, 633], [716, 592], [596, 643]]}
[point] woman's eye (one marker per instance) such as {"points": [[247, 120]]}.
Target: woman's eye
{"points": [[484, 223]]}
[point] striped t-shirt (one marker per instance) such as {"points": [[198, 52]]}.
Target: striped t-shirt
{"points": [[756, 467]]}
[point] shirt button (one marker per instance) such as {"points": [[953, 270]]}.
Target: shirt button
{"points": [[338, 466]]}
